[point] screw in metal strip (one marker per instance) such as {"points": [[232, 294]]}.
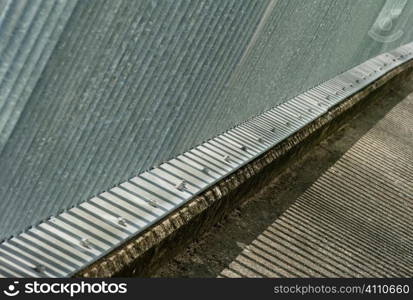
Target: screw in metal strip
{"points": [[244, 148], [181, 186], [84, 242], [122, 222], [152, 203], [227, 158], [40, 269]]}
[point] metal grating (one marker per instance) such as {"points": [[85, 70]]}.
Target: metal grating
{"points": [[356, 218], [70, 241]]}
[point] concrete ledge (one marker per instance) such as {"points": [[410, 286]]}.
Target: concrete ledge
{"points": [[144, 253]]}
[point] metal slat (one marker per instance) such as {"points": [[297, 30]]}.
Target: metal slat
{"points": [[63, 249], [42, 257], [109, 216], [56, 251], [109, 226], [160, 187], [202, 172], [75, 238], [141, 201], [35, 261], [120, 210], [18, 264], [198, 163]]}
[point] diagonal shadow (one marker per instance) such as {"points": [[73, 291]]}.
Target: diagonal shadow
{"points": [[235, 239]]}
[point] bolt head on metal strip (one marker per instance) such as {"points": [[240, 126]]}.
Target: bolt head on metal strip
{"points": [[122, 221], [152, 203], [39, 269], [84, 242], [181, 186]]}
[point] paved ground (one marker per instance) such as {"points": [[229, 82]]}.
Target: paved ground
{"points": [[346, 209]]}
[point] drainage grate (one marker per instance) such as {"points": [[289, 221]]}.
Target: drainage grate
{"points": [[72, 240]]}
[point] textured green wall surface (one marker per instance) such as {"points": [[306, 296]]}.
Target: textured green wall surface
{"points": [[130, 84], [29, 31]]}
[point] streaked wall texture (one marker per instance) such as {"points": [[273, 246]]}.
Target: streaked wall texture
{"points": [[128, 84]]}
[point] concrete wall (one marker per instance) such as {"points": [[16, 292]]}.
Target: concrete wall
{"points": [[132, 83]]}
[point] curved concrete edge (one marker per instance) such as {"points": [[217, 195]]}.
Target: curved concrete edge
{"points": [[141, 255]]}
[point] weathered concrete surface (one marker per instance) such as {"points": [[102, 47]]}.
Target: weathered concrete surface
{"points": [[343, 210], [145, 253]]}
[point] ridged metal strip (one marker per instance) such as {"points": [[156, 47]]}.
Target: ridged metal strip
{"points": [[77, 237]]}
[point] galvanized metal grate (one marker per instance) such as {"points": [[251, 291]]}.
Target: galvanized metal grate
{"points": [[72, 240]]}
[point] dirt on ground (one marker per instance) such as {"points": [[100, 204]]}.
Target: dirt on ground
{"points": [[213, 252]]}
